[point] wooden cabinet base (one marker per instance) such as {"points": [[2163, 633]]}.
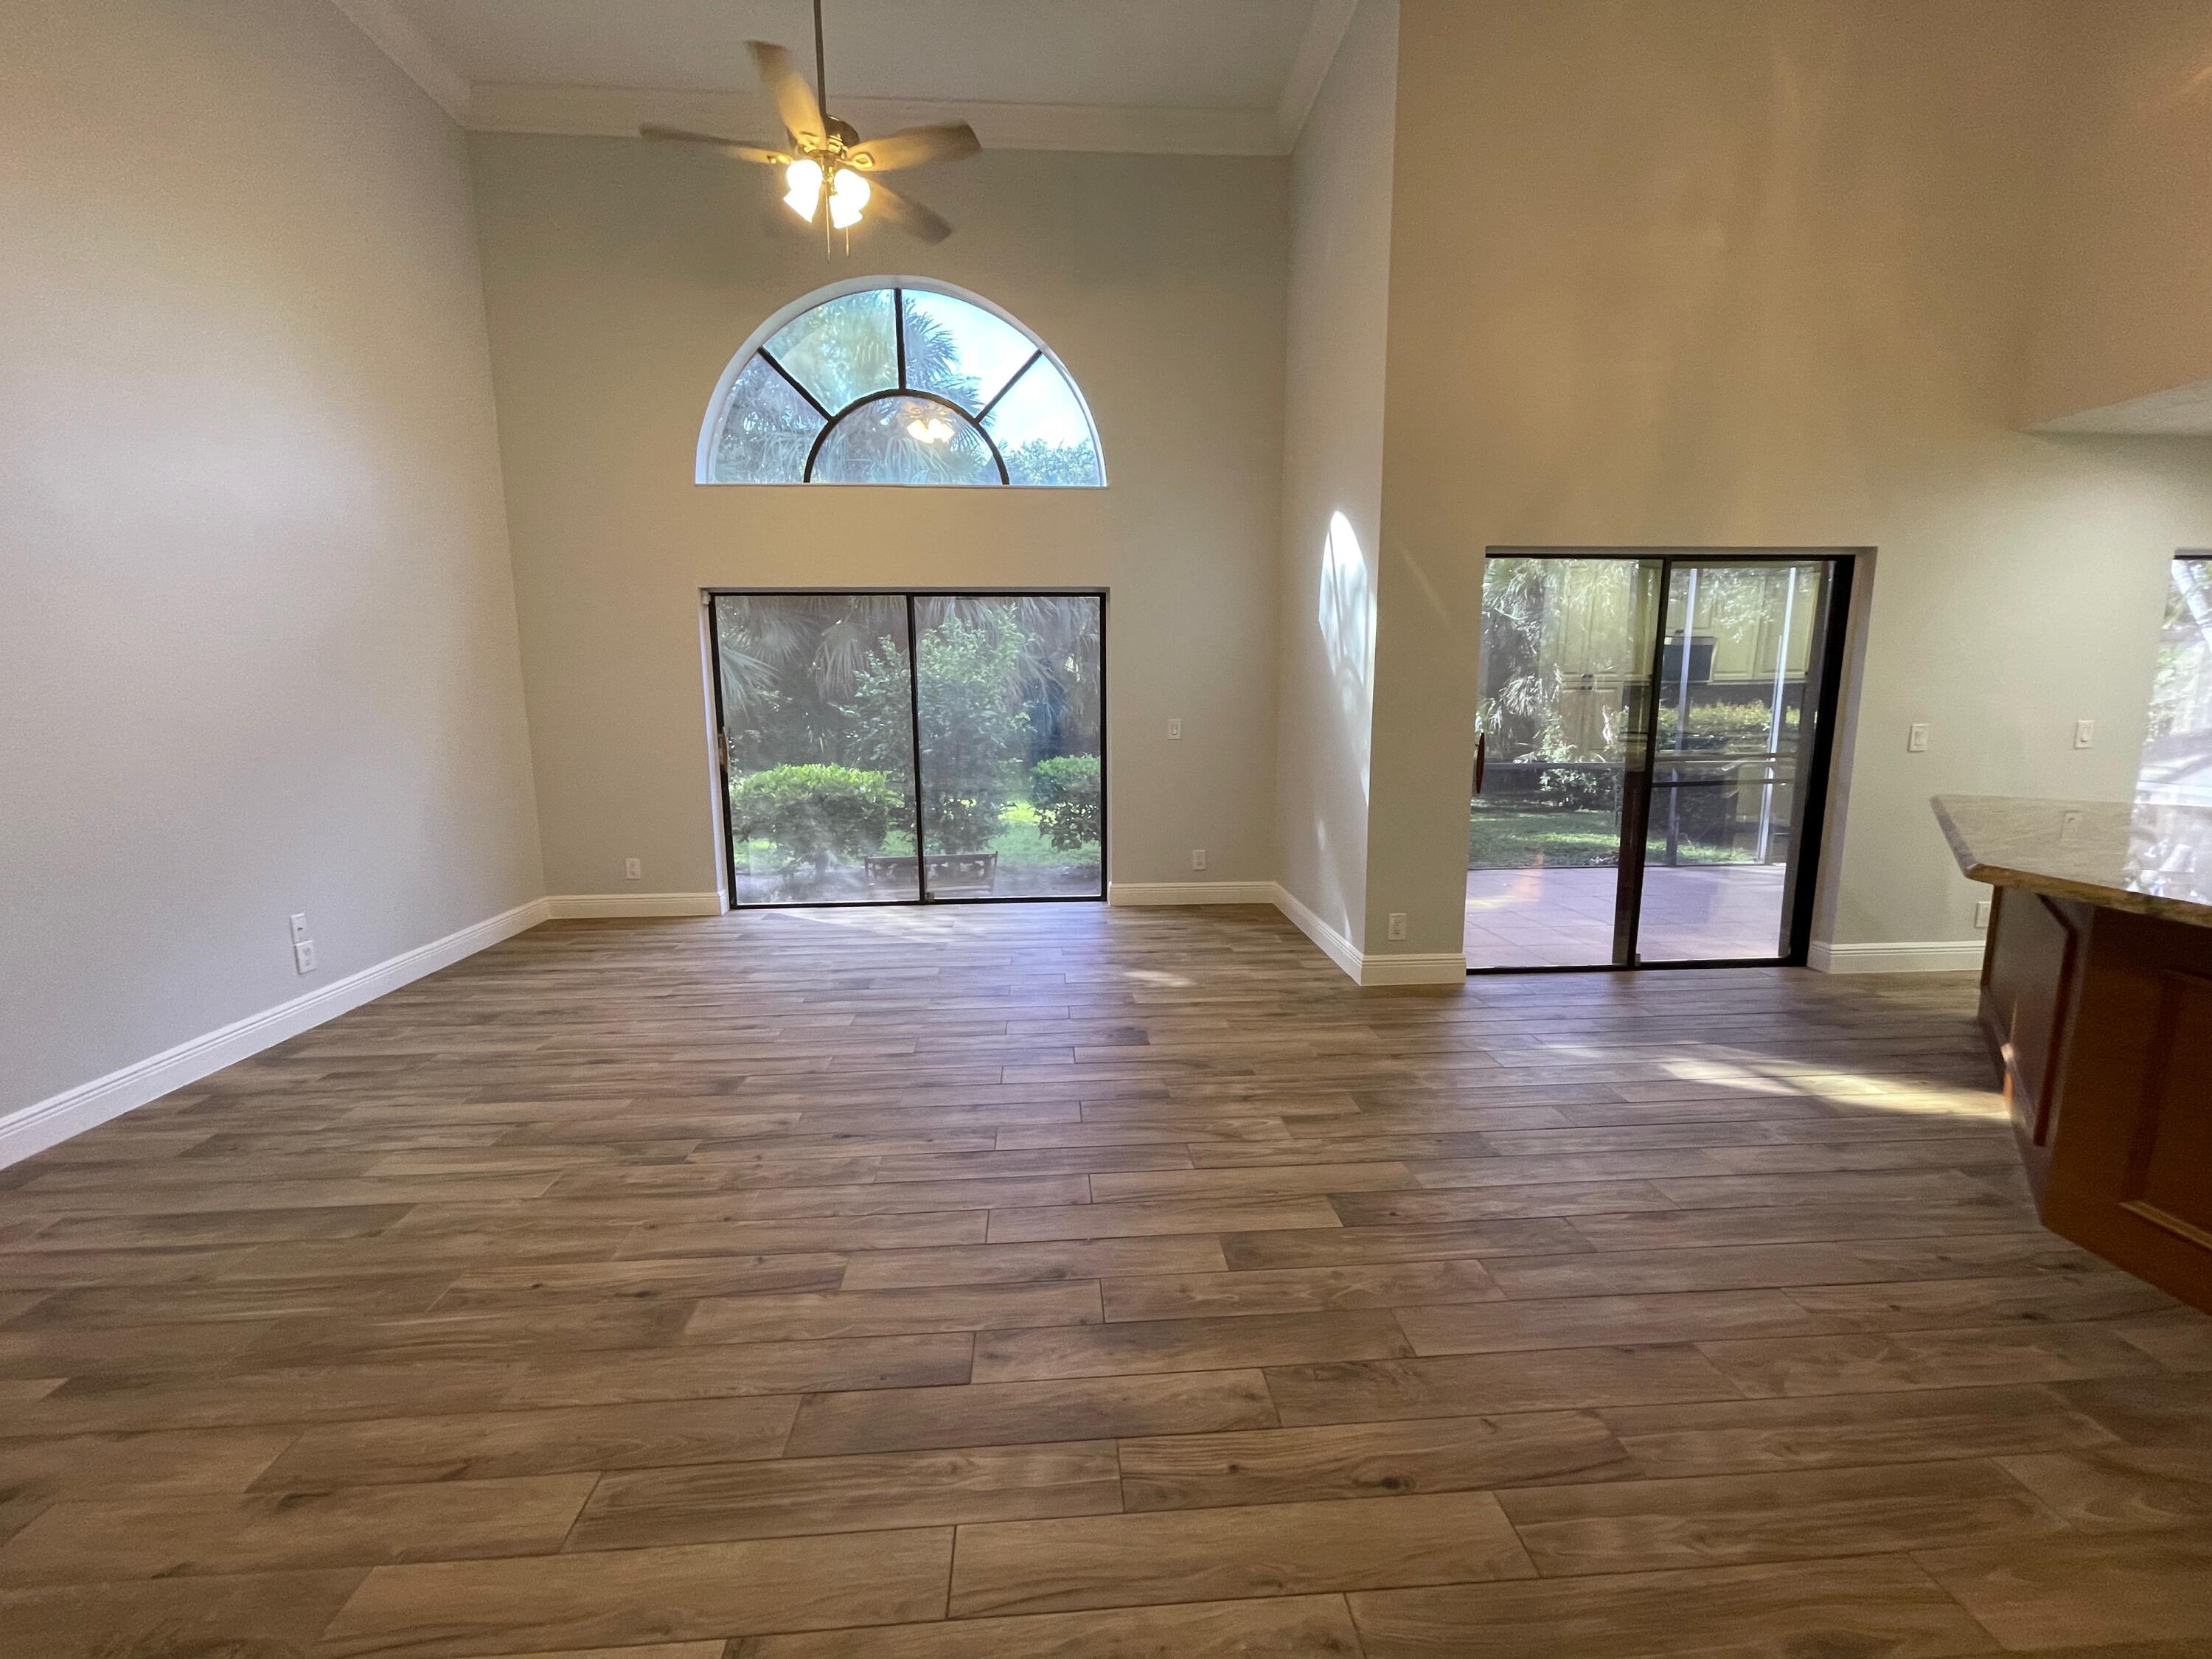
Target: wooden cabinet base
{"points": [[2100, 1023]]}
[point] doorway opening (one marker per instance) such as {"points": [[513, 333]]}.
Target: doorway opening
{"points": [[911, 747], [1651, 763]]}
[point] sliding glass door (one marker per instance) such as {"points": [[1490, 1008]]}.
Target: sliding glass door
{"points": [[1563, 728], [1654, 737], [897, 748], [1735, 726], [815, 707], [1012, 715]]}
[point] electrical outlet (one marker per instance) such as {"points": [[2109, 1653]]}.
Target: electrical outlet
{"points": [[1197, 858], [1397, 924], [633, 869], [2084, 731], [303, 956], [1982, 914], [300, 927], [1916, 737], [1175, 728]]}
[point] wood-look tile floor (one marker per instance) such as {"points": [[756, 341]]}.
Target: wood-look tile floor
{"points": [[1049, 1281]]}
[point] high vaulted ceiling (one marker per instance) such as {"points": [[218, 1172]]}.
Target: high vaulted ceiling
{"points": [[1221, 76]]}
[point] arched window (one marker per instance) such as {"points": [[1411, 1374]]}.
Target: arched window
{"points": [[904, 383]]}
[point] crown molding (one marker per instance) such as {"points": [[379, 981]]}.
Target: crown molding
{"points": [[618, 112], [383, 22], [1317, 50]]}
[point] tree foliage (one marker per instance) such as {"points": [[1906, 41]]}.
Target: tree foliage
{"points": [[1002, 684], [791, 666], [1038, 462], [1069, 800], [973, 726]]}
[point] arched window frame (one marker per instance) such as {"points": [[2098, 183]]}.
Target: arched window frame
{"points": [[756, 345]]}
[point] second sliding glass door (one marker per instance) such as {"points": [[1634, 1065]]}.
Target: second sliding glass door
{"points": [[1654, 737], [888, 748]]}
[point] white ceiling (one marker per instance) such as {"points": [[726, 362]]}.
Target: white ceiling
{"points": [[2183, 411], [1218, 76]]}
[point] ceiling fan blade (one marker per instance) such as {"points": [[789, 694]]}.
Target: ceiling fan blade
{"points": [[743, 150], [909, 216], [913, 147], [795, 102]]}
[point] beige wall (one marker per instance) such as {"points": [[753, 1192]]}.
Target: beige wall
{"points": [[257, 648], [1340, 274], [1692, 275], [1702, 275], [2125, 303], [622, 278]]}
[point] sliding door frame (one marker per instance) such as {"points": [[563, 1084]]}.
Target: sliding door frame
{"points": [[1824, 678], [911, 597]]}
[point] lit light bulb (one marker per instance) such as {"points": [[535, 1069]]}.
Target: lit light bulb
{"points": [[848, 194], [803, 187], [931, 431]]}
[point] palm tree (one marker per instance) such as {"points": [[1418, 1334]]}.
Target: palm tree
{"points": [[787, 660], [1058, 660]]}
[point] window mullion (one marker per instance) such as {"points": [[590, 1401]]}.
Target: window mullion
{"points": [[898, 334], [913, 715], [983, 414], [792, 380]]}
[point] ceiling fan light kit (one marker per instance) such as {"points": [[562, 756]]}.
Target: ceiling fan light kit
{"points": [[828, 163]]}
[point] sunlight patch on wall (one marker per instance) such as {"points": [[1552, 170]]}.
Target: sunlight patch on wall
{"points": [[1347, 630]]}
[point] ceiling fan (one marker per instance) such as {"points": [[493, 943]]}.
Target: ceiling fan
{"points": [[827, 165]]}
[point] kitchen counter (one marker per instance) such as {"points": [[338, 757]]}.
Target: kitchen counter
{"points": [[2149, 858], [2096, 1001]]}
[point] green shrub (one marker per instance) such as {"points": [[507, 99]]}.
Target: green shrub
{"points": [[815, 813], [1068, 797], [1579, 791], [1733, 725]]}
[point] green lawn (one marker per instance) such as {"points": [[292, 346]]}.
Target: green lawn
{"points": [[1019, 842], [1523, 838], [1520, 840]]}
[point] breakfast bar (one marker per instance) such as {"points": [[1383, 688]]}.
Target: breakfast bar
{"points": [[2096, 999]]}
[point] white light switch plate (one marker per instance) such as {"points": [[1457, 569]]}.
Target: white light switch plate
{"points": [[1916, 737]]}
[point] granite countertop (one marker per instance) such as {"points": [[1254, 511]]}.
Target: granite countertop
{"points": [[2151, 857]]}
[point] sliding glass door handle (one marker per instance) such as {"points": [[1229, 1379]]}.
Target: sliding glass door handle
{"points": [[1481, 755]]}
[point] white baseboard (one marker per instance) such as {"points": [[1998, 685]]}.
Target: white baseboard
{"points": [[55, 1119], [1438, 967], [1435, 968], [1334, 945], [1924, 956], [1190, 892], [569, 905]]}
